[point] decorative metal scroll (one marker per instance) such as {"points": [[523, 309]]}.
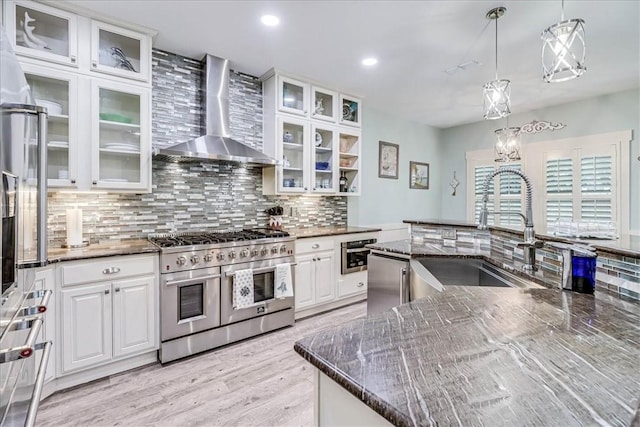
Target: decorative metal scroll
{"points": [[537, 127]]}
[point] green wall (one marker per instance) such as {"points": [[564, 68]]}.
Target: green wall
{"points": [[385, 201], [608, 113]]}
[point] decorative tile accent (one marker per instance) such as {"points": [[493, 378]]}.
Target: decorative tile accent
{"points": [[615, 273], [193, 196]]}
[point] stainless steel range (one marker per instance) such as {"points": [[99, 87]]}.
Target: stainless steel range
{"points": [[196, 289]]}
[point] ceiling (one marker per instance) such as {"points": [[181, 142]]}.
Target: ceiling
{"points": [[415, 41]]}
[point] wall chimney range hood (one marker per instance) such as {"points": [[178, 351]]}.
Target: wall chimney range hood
{"points": [[216, 144]]}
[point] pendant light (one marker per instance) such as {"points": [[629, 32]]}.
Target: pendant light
{"points": [[497, 93], [507, 148], [563, 50]]}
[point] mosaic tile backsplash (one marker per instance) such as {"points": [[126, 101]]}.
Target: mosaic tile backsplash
{"points": [[615, 273], [192, 196]]}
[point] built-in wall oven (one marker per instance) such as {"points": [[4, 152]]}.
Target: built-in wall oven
{"points": [[354, 255]]}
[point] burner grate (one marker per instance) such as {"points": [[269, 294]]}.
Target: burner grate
{"points": [[207, 238]]}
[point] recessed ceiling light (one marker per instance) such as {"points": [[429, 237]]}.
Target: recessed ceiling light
{"points": [[369, 62], [270, 20]]}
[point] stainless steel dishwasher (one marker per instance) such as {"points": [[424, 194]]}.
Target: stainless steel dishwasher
{"points": [[387, 281]]}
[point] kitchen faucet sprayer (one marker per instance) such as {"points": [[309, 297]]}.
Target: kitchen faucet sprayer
{"points": [[530, 243]]}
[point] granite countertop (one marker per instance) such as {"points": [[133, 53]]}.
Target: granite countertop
{"points": [[490, 356], [302, 233], [625, 244], [102, 249]]}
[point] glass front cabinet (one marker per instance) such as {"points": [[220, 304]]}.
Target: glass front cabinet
{"points": [[57, 91], [304, 129], [43, 32], [121, 144], [120, 52]]}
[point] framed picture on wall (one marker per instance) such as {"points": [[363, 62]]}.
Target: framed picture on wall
{"points": [[419, 175], [388, 155]]}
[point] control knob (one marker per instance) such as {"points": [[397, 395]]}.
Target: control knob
{"points": [[244, 253], [208, 258], [232, 254], [195, 259], [220, 256], [254, 252], [181, 260], [264, 251], [274, 250], [283, 249]]}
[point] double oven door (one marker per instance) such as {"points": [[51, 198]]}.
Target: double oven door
{"points": [[264, 273], [190, 302]]}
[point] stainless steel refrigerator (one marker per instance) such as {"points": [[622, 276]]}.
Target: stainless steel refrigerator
{"points": [[23, 129]]}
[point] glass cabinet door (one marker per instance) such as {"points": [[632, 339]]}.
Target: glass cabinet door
{"points": [[323, 104], [119, 51], [58, 95], [42, 32], [293, 135], [323, 178], [350, 110], [121, 142], [292, 96]]}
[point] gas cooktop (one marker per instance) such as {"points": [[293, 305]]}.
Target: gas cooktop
{"points": [[214, 238]]}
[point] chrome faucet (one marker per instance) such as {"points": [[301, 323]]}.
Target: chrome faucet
{"points": [[530, 243]]}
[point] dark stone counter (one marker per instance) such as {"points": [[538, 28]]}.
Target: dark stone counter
{"points": [[302, 233], [490, 356], [102, 249]]}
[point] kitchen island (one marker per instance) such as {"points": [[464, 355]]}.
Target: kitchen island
{"points": [[484, 356]]}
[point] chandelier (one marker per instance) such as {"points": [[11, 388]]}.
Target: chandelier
{"points": [[563, 50], [496, 93], [507, 148]]}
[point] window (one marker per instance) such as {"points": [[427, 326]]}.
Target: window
{"points": [[575, 179]]}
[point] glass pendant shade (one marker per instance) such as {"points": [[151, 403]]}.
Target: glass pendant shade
{"points": [[507, 148], [497, 99], [563, 51]]}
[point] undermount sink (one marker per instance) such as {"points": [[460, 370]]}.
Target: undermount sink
{"points": [[436, 273]]}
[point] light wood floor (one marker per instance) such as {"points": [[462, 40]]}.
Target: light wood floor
{"points": [[257, 382]]}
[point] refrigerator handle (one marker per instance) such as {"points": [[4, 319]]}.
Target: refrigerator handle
{"points": [[42, 189], [403, 286]]}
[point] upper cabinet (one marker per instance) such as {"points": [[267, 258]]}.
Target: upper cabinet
{"points": [[120, 52], [39, 31], [94, 78], [314, 134]]}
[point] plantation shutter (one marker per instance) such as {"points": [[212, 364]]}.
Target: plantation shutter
{"points": [[511, 196], [596, 188], [559, 190]]}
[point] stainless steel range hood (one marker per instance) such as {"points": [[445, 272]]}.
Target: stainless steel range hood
{"points": [[216, 144]]}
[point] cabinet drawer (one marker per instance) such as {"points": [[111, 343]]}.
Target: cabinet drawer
{"points": [[352, 283], [106, 269], [314, 245]]}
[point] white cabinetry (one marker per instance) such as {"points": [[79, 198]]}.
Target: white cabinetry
{"points": [[109, 310], [95, 79], [315, 272], [312, 139]]}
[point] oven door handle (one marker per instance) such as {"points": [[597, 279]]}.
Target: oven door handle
{"points": [[257, 270], [350, 251], [193, 279]]}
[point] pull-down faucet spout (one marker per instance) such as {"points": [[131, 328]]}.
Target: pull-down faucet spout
{"points": [[530, 243]]}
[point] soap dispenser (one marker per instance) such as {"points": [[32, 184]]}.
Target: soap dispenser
{"points": [[578, 267]]}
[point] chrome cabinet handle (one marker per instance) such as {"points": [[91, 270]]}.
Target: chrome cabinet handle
{"points": [[73, 59], [73, 181], [37, 388], [111, 270], [94, 63], [403, 276], [117, 289], [315, 246], [360, 284], [25, 350], [106, 291], [38, 308], [95, 182]]}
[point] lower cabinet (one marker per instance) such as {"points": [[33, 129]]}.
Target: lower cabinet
{"points": [[315, 279], [105, 321]]}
